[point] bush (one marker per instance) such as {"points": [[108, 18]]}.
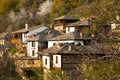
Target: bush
{"points": [[13, 50]]}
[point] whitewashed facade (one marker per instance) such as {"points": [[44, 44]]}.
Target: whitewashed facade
{"points": [[32, 48], [51, 43], [46, 62], [24, 37], [70, 29], [57, 61]]}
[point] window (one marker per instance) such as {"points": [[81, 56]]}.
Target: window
{"points": [[56, 60], [45, 61], [33, 44], [54, 44], [33, 53]]}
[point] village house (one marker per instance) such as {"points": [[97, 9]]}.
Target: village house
{"points": [[80, 26], [67, 24], [77, 31], [38, 39], [114, 27], [5, 43], [5, 39], [66, 58], [26, 64], [61, 22], [20, 36], [72, 37]]}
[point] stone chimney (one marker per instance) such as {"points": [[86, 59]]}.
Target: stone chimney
{"points": [[58, 45], [81, 34], [92, 35], [117, 17], [26, 26], [69, 48]]}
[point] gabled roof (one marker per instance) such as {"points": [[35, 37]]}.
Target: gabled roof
{"points": [[65, 18], [20, 31], [34, 28], [71, 36], [37, 30], [97, 49], [45, 35]]}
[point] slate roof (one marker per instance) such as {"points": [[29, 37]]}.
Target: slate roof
{"points": [[37, 29], [5, 35], [71, 36], [65, 18], [30, 29], [20, 31], [97, 49], [45, 35], [81, 22]]}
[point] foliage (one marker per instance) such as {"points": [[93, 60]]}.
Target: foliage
{"points": [[13, 50], [7, 66], [6, 5], [45, 8], [94, 69]]}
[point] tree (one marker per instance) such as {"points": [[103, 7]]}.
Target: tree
{"points": [[45, 8], [5, 6], [7, 66]]}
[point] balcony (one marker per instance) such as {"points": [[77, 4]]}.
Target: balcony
{"points": [[15, 41]]}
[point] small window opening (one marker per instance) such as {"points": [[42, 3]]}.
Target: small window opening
{"points": [[45, 61], [56, 59]]}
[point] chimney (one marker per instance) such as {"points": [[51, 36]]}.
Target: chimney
{"points": [[69, 48], [117, 17], [26, 26], [92, 35], [58, 45], [81, 34]]}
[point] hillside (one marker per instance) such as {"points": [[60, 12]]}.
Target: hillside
{"points": [[15, 13]]}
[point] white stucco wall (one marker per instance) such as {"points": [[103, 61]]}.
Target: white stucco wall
{"points": [[50, 43], [58, 64], [24, 37], [31, 49], [72, 29], [44, 58]]}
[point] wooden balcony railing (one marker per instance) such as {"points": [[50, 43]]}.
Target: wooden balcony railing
{"points": [[15, 41]]}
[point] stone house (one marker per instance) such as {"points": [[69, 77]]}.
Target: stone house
{"points": [[67, 57]]}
